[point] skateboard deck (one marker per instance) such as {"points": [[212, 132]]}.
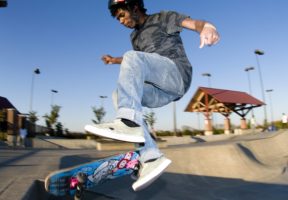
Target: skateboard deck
{"points": [[72, 181]]}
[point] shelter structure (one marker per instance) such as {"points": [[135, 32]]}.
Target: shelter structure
{"points": [[209, 100], [10, 119], [6, 104]]}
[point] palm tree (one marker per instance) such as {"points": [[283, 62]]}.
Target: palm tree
{"points": [[151, 120], [99, 114], [53, 117], [33, 118]]}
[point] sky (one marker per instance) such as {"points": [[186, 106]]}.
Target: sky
{"points": [[65, 39]]}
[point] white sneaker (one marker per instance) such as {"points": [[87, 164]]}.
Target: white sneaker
{"points": [[117, 130], [149, 172]]}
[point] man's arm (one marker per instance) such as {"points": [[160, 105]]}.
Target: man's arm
{"points": [[107, 59], [207, 31]]}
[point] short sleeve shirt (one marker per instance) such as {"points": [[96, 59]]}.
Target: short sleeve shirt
{"points": [[161, 34]]}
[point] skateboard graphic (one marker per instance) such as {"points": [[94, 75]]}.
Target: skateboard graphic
{"points": [[73, 181]]}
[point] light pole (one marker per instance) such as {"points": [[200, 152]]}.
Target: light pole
{"points": [[209, 78], [3, 3], [102, 99], [260, 53], [174, 118], [52, 96], [271, 106], [248, 69], [35, 72], [213, 117]]}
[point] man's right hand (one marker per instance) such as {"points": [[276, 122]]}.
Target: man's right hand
{"points": [[107, 59]]}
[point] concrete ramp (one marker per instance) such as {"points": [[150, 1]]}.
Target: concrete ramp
{"points": [[247, 160], [231, 170], [250, 167]]}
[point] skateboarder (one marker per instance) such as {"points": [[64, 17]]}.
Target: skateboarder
{"points": [[153, 74]]}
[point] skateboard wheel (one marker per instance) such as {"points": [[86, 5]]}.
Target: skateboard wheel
{"points": [[81, 177], [135, 174]]}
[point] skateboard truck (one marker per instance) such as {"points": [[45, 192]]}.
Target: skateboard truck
{"points": [[79, 183]]}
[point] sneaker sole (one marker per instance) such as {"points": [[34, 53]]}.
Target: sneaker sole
{"points": [[114, 135], [145, 182]]}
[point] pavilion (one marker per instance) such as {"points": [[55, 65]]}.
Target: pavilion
{"points": [[210, 100]]}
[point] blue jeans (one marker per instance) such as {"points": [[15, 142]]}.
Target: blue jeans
{"points": [[149, 80]]}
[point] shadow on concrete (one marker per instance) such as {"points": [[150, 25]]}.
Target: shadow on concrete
{"points": [[21, 156], [73, 160], [249, 153], [184, 186], [198, 139], [37, 192]]}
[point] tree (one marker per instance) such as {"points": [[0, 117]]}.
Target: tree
{"points": [[51, 119], [151, 120], [32, 118], [99, 114], [59, 129]]}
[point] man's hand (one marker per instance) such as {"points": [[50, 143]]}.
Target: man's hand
{"points": [[209, 35], [208, 32], [107, 59]]}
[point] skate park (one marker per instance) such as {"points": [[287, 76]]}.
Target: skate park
{"points": [[247, 166]]}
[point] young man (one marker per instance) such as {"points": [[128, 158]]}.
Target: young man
{"points": [[152, 75]]}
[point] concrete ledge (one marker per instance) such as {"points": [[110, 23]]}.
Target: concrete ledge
{"points": [[114, 145], [118, 145], [100, 144]]}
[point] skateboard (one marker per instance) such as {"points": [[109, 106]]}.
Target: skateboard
{"points": [[73, 181]]}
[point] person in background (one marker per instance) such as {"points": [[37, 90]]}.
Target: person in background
{"points": [[284, 121]]}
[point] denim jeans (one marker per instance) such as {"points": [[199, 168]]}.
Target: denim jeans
{"points": [[146, 80]]}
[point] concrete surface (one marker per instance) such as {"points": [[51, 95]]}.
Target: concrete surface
{"points": [[250, 167]]}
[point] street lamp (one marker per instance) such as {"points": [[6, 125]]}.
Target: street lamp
{"points": [[52, 96], [102, 99], [3, 3], [208, 76], [260, 53], [271, 106], [213, 117], [35, 72], [174, 118], [247, 69]]}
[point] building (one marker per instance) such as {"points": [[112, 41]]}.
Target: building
{"points": [[11, 119]]}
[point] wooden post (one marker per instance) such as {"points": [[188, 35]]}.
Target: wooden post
{"points": [[208, 126], [12, 126], [243, 123], [227, 126]]}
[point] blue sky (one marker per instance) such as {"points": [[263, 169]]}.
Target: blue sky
{"points": [[65, 39]]}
